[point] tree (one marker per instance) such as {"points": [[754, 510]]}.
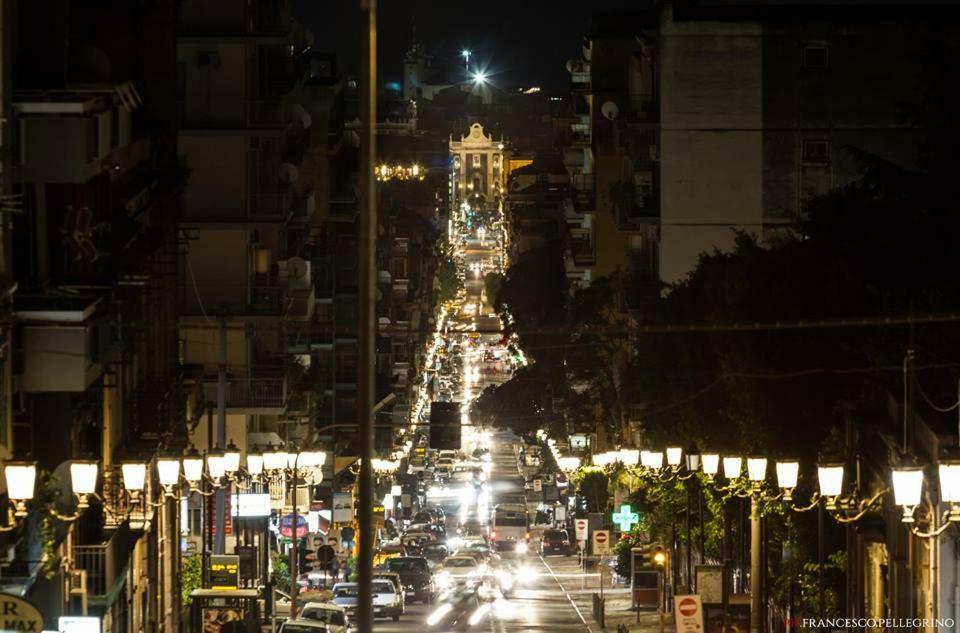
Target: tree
{"points": [[447, 278]]}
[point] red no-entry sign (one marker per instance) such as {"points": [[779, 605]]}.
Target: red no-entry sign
{"points": [[687, 606]]}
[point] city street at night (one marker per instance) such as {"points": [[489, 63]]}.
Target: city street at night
{"points": [[422, 316]]}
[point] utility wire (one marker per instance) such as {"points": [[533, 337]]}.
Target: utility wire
{"points": [[930, 402]]}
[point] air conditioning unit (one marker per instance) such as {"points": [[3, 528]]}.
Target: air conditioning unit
{"points": [[295, 272]]}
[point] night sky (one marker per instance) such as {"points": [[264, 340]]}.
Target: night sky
{"points": [[521, 42]]}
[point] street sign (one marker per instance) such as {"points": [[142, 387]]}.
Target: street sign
{"points": [[16, 614], [688, 614], [601, 542], [224, 572], [78, 624], [580, 525], [626, 518], [537, 485]]}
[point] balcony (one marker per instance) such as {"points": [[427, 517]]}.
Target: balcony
{"points": [[584, 191], [269, 207], [235, 301], [254, 395], [105, 563], [581, 134]]}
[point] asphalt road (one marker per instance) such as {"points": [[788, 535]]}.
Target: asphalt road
{"points": [[544, 603]]}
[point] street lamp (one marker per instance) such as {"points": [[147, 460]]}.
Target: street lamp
{"points": [[711, 464], [732, 466], [21, 481], [231, 459], [756, 469], [193, 468], [479, 77], [465, 53], [787, 474], [907, 490], [674, 456], [168, 472]]}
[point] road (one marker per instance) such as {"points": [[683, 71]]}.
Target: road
{"points": [[546, 603], [542, 602]]}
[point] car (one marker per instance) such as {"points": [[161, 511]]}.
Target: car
{"points": [[457, 570], [392, 576], [386, 600], [414, 572], [434, 552], [346, 595], [303, 626], [388, 550], [333, 616], [555, 542]]}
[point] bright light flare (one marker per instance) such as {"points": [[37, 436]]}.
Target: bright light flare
{"points": [[478, 614], [439, 613]]}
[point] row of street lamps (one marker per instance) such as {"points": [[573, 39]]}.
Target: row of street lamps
{"points": [[222, 470], [845, 507]]}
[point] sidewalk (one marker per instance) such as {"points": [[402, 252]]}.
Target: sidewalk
{"points": [[580, 587]]}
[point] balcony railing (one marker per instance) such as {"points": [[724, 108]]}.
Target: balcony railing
{"points": [[269, 206], [251, 393], [104, 562], [584, 194], [226, 300]]}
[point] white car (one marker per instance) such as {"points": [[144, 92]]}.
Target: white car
{"points": [[457, 570], [331, 615], [302, 626], [386, 601]]}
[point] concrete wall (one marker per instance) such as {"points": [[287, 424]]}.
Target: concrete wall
{"points": [[215, 94], [218, 180], [219, 264], [856, 103], [711, 87]]}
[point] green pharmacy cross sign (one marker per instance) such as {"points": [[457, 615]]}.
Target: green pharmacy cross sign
{"points": [[626, 518]]}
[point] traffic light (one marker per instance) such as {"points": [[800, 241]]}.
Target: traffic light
{"points": [[659, 556], [653, 555]]}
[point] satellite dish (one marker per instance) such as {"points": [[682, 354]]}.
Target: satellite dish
{"points": [[609, 110], [288, 173], [570, 65], [297, 269], [301, 116]]}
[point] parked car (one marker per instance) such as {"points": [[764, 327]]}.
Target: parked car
{"points": [[333, 616], [303, 626], [555, 542], [386, 601], [414, 572]]}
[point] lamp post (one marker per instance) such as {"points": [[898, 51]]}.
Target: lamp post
{"points": [[281, 463]]}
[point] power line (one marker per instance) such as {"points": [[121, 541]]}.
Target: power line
{"points": [[933, 406], [768, 376]]}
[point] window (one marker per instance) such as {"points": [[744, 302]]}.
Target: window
{"points": [[816, 151], [816, 57]]}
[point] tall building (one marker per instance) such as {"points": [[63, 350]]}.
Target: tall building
{"points": [[94, 364], [698, 119], [260, 121]]}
